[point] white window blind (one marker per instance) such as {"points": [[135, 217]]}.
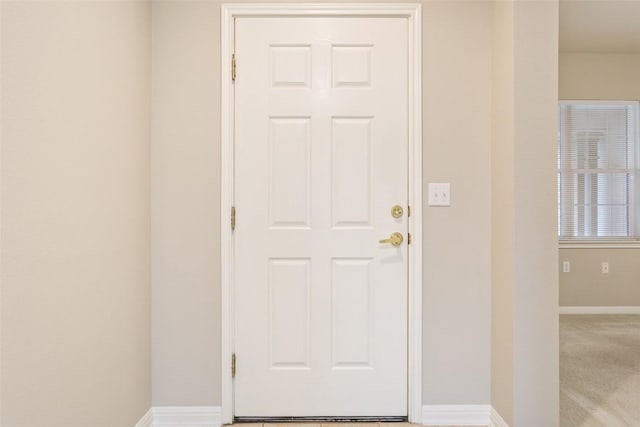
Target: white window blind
{"points": [[597, 166]]}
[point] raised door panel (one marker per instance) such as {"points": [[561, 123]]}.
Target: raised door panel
{"points": [[351, 172], [289, 171]]}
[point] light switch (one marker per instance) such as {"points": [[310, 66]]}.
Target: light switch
{"points": [[439, 194]]}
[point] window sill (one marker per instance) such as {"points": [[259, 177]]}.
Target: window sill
{"points": [[599, 244]]}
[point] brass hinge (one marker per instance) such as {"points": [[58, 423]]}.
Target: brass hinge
{"points": [[408, 211], [233, 365], [233, 67], [233, 218], [408, 238]]}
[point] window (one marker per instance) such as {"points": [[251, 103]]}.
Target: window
{"points": [[597, 170]]}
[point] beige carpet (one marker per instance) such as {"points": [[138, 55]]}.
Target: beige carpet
{"points": [[599, 370]]}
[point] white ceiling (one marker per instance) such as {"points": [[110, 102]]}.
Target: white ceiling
{"points": [[600, 26]]}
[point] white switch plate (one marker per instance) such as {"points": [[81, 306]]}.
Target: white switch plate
{"points": [[439, 194], [605, 268], [566, 267]]}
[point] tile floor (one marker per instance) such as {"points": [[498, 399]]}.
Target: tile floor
{"points": [[365, 424]]}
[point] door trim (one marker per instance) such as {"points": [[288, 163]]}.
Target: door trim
{"points": [[413, 14]]}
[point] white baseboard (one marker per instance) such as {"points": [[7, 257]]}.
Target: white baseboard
{"points": [[495, 420], [456, 415], [182, 416], [146, 420], [432, 415], [600, 310]]}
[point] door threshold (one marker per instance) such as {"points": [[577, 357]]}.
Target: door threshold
{"points": [[239, 420]]}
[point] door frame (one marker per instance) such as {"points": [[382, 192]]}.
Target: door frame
{"points": [[413, 13]]}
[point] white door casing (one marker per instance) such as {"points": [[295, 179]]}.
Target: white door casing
{"points": [[324, 145]]}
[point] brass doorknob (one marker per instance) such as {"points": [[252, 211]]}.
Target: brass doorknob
{"points": [[395, 239]]}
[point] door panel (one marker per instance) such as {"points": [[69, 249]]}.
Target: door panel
{"points": [[289, 171], [320, 159], [351, 172], [351, 332], [289, 312]]}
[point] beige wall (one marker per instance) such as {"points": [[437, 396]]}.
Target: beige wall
{"points": [[599, 76], [525, 284], [75, 250], [185, 221], [457, 240], [186, 200], [608, 77], [535, 308], [502, 218], [586, 286]]}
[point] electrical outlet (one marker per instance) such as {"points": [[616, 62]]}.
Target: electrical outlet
{"points": [[605, 268], [566, 267]]}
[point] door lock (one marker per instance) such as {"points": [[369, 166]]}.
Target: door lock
{"points": [[397, 211]]}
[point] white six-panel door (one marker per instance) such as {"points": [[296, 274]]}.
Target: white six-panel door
{"points": [[321, 145]]}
